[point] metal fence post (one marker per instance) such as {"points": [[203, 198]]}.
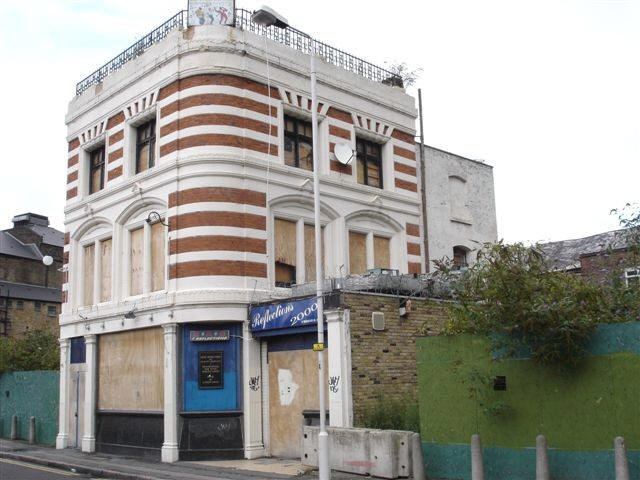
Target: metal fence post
{"points": [[542, 459], [477, 468], [622, 466]]}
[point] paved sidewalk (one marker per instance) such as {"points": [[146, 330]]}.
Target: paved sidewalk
{"points": [[126, 468]]}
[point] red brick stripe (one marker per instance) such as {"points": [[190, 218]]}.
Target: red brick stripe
{"points": [[217, 219], [114, 173], [72, 193], [340, 168], [403, 136], [413, 229], [217, 267], [217, 242], [401, 167], [406, 185], [403, 152], [217, 79], [339, 132], [67, 238], [218, 99], [72, 161], [339, 115], [218, 139], [72, 176], [116, 120], [414, 267], [73, 144], [413, 248], [115, 155], [217, 194], [218, 119], [116, 137]]}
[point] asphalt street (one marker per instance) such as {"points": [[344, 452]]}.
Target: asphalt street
{"points": [[14, 470]]}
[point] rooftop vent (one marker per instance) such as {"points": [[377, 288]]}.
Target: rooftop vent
{"points": [[30, 219]]}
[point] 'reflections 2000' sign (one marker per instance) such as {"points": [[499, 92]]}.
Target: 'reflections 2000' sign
{"points": [[211, 12], [298, 313]]}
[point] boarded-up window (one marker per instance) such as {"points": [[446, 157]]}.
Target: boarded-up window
{"points": [[310, 251], [89, 259], [381, 252], [131, 371], [105, 270], [157, 256], [357, 253], [285, 252], [136, 260]]}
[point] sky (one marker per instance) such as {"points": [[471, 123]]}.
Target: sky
{"points": [[545, 91]]}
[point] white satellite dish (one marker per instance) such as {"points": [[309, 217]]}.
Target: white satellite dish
{"points": [[343, 152]]}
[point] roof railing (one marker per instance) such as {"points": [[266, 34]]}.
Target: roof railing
{"points": [[289, 36]]}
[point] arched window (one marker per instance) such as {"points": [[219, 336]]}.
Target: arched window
{"points": [[93, 280], [373, 240]]}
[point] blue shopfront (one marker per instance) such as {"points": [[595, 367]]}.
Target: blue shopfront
{"points": [[211, 403]]}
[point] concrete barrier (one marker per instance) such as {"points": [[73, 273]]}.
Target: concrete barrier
{"points": [[379, 453]]}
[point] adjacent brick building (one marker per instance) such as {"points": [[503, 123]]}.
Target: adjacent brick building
{"points": [[30, 292]]}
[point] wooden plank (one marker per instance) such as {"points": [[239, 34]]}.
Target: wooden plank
{"points": [[89, 266], [158, 249], [105, 270], [381, 252], [310, 251], [357, 253], [136, 261], [131, 370], [285, 241]]}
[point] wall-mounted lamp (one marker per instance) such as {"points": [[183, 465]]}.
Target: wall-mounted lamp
{"points": [[130, 314], [155, 217]]}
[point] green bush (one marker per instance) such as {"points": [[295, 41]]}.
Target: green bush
{"points": [[390, 414], [36, 350]]}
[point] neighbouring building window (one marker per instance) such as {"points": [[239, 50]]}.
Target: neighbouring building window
{"points": [[145, 146], [19, 305], [37, 306], [52, 311], [459, 258], [9, 304], [298, 143], [96, 170], [632, 276], [151, 278], [369, 163], [359, 260]]}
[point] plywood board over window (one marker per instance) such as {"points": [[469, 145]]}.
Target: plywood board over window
{"points": [[105, 270], [136, 260], [89, 263], [157, 256], [381, 252], [285, 251], [310, 251], [131, 371], [357, 253]]}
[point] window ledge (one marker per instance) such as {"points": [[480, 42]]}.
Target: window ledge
{"points": [[460, 220]]}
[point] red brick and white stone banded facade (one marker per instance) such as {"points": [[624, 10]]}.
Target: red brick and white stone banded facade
{"points": [[219, 178]]}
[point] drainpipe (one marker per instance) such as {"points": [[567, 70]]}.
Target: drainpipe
{"points": [[424, 189]]}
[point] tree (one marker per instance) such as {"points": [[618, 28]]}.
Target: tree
{"points": [[408, 76], [36, 350]]}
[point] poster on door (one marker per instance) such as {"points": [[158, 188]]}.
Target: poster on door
{"points": [[211, 12]]}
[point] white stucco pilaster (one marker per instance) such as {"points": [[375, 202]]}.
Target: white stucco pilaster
{"points": [[169, 452], [339, 369], [89, 436], [252, 386], [62, 440]]}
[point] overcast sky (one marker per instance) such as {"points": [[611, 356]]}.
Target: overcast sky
{"points": [[548, 92]]}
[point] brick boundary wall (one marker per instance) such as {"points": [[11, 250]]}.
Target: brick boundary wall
{"points": [[383, 363]]}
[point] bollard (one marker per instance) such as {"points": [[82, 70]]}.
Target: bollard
{"points": [[622, 467], [32, 430], [477, 468], [416, 456], [542, 459], [14, 427]]}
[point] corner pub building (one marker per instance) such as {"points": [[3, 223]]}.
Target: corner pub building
{"points": [[189, 199]]}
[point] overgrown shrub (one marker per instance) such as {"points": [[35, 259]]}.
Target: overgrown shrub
{"points": [[36, 350], [391, 414]]}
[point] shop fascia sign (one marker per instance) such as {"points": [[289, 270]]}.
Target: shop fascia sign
{"points": [[209, 335], [298, 313]]}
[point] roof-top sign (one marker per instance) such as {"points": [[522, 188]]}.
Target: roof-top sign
{"points": [[211, 12]]}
